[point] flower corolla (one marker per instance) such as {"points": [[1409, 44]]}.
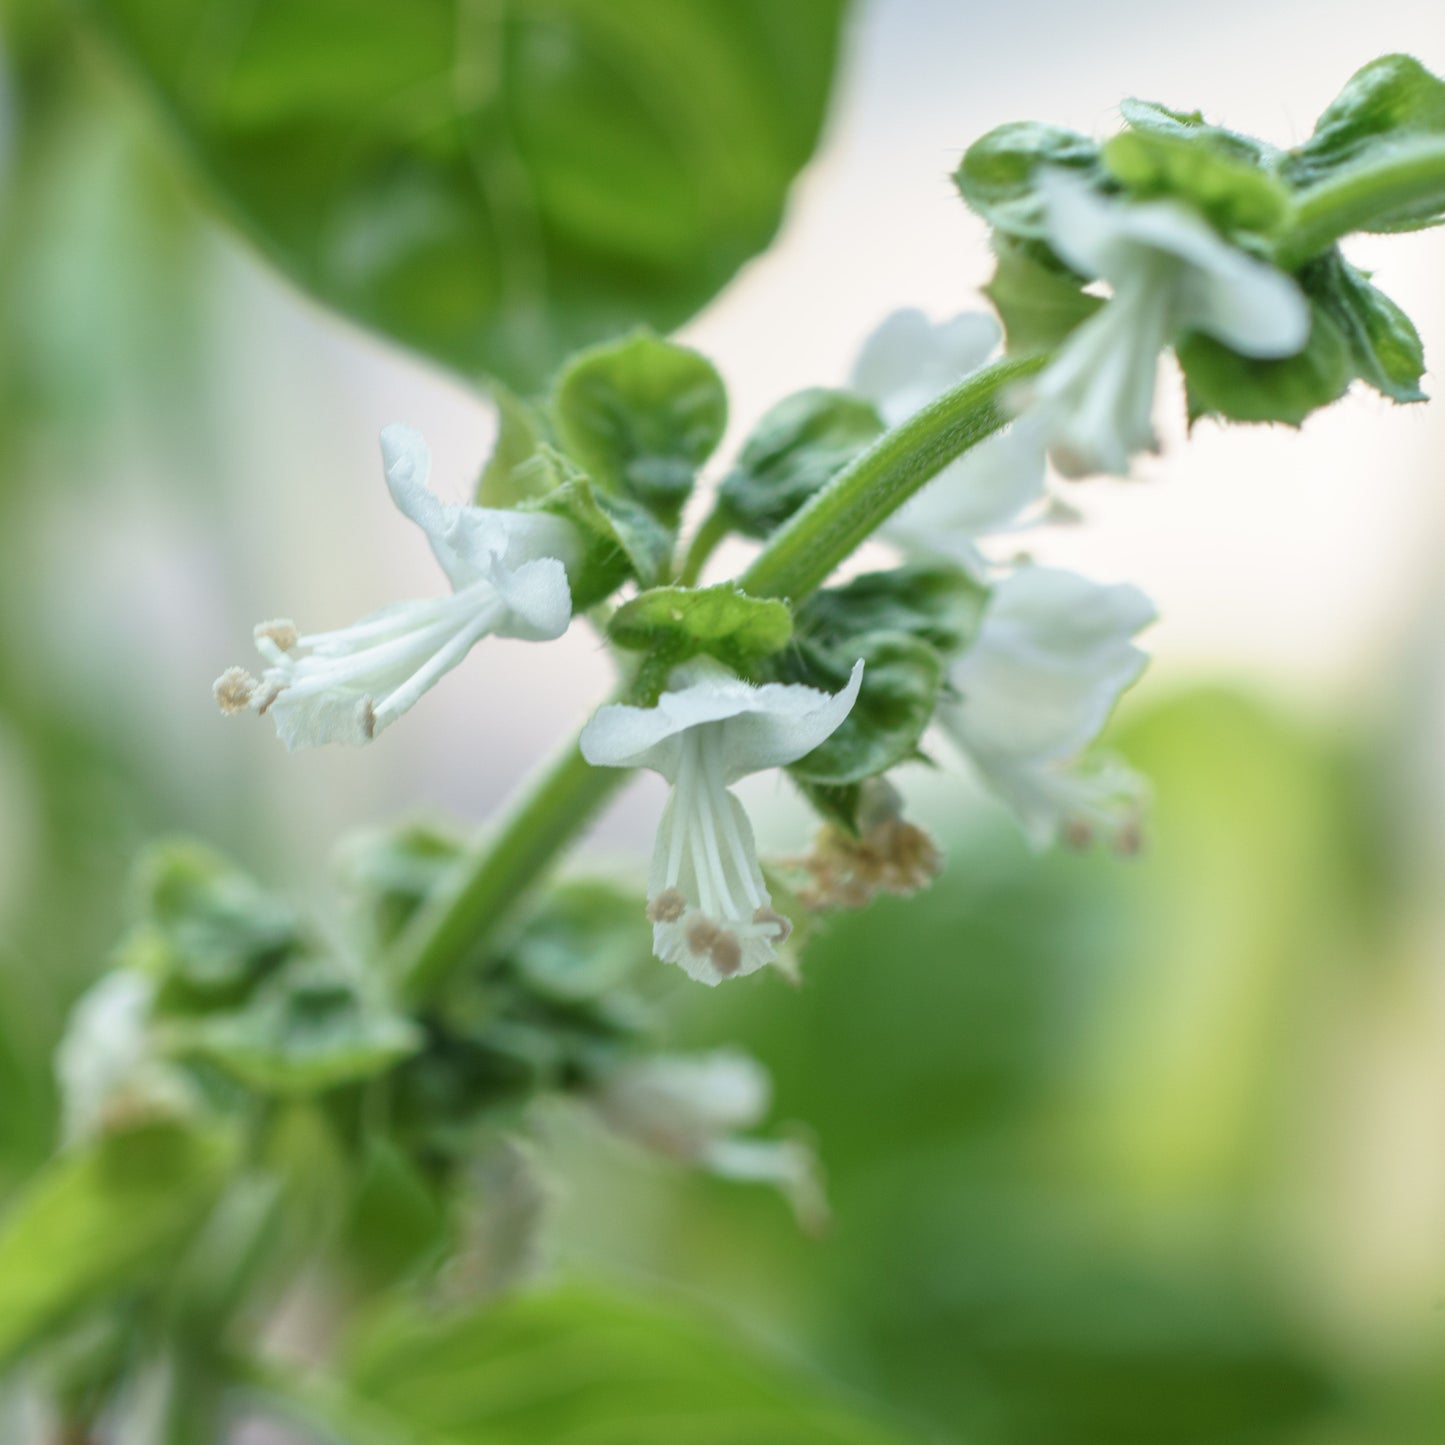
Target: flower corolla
{"points": [[1170, 273], [1035, 688], [710, 909], [508, 571]]}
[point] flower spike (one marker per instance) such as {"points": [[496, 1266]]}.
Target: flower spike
{"points": [[710, 909], [508, 572]]}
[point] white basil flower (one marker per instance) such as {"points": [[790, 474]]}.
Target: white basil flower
{"points": [[694, 1108], [1036, 687], [907, 363], [710, 909], [106, 1065], [508, 572], [1169, 272]]}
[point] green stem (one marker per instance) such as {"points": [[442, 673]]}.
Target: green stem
{"points": [[714, 528], [326, 1414], [491, 883], [841, 517], [1407, 181]]}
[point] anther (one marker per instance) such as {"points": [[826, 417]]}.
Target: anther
{"points": [[726, 954], [667, 907], [366, 716], [701, 934], [280, 630], [766, 915], [233, 690], [1078, 834]]}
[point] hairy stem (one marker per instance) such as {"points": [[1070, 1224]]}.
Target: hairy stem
{"points": [[704, 542], [490, 883], [1409, 180], [841, 517]]}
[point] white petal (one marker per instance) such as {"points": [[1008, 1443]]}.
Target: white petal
{"points": [[680, 1104], [1086, 801], [1244, 302], [766, 727], [908, 360], [1050, 661], [538, 600]]}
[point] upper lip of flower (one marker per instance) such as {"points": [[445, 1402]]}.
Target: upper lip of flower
{"points": [[508, 572], [710, 908]]}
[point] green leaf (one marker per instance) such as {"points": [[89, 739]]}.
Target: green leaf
{"points": [[940, 604], [722, 621], [506, 481], [494, 185], [1385, 348], [622, 538], [1038, 302], [100, 1220], [998, 174], [1240, 388], [391, 873], [798, 447], [1151, 118], [640, 416], [591, 1369], [1204, 172], [307, 1031], [585, 939], [210, 932], [901, 680], [1390, 104]]}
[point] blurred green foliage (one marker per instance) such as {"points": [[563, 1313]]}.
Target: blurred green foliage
{"points": [[494, 184]]}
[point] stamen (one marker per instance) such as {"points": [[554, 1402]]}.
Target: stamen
{"points": [[701, 934], [667, 907], [280, 630], [233, 690], [769, 917], [726, 954]]}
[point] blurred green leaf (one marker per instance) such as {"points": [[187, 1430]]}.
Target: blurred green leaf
{"points": [[1385, 106], [101, 1219], [722, 621], [209, 932], [1385, 348], [901, 679], [1038, 302], [591, 1369], [620, 537], [1192, 166], [998, 176], [640, 416], [940, 604], [307, 1030], [798, 447], [583, 940], [494, 185], [1242, 388], [506, 481]]}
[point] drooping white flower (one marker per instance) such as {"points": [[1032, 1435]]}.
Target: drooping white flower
{"points": [[905, 364], [1170, 273], [106, 1066], [1036, 687], [508, 572], [694, 1108], [710, 908]]}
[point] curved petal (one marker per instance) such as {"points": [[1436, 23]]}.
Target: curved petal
{"points": [[1247, 304], [787, 722], [1050, 661], [908, 359], [538, 600]]}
